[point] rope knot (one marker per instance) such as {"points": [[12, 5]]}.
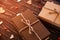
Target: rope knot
{"points": [[27, 22]]}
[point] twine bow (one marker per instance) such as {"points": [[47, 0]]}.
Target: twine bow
{"points": [[54, 12], [27, 22]]}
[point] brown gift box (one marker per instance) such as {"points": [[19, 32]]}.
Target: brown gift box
{"points": [[29, 26], [50, 13]]}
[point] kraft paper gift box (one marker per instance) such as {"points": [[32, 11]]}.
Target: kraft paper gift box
{"points": [[51, 13], [29, 27]]}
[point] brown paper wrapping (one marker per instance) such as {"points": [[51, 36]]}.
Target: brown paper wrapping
{"points": [[38, 26], [51, 13]]}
